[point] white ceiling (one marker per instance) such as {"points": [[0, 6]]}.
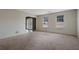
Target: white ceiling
{"points": [[35, 12]]}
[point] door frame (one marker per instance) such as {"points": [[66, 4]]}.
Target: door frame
{"points": [[33, 23]]}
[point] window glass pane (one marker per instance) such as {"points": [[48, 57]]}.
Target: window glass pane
{"points": [[45, 21], [60, 18]]}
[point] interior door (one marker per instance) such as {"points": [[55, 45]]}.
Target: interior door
{"points": [[34, 24]]}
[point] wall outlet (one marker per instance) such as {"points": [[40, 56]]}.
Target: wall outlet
{"points": [[17, 31]]}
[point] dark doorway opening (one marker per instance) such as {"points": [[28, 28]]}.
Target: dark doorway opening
{"points": [[30, 23]]}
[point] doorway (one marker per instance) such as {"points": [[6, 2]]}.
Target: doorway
{"points": [[30, 24]]}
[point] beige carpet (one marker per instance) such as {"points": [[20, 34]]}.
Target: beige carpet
{"points": [[40, 41]]}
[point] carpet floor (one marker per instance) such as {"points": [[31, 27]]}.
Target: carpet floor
{"points": [[40, 41]]}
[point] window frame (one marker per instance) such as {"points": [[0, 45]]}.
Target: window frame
{"points": [[60, 21], [45, 21], [60, 18]]}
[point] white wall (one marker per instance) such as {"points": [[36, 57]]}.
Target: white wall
{"points": [[11, 21], [78, 23], [70, 22]]}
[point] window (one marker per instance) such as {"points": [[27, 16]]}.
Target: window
{"points": [[45, 21], [60, 18], [60, 21]]}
